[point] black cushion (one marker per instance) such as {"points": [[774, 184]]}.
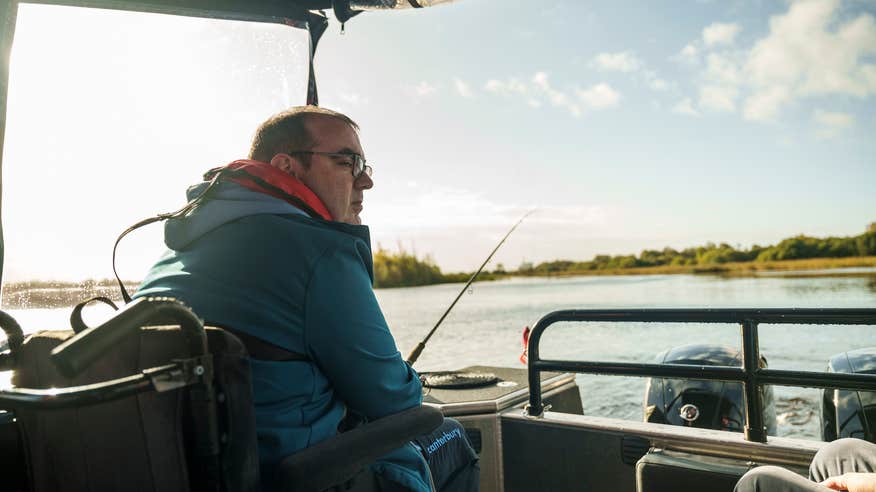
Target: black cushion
{"points": [[671, 471]]}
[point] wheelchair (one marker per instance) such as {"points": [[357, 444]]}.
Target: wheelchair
{"points": [[151, 400]]}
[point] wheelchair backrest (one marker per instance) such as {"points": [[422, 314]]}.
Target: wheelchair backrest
{"points": [[139, 442]]}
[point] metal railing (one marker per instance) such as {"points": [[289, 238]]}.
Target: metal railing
{"points": [[751, 375]]}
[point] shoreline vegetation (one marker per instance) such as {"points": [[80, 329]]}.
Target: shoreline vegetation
{"points": [[50, 294], [798, 253], [793, 257]]}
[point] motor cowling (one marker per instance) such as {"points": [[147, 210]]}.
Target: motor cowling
{"points": [[850, 413], [702, 404]]}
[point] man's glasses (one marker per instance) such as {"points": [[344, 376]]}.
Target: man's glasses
{"points": [[354, 161]]}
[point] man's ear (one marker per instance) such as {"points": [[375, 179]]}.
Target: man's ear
{"points": [[288, 165]]}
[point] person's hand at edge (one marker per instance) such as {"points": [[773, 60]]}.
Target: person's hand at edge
{"points": [[853, 482]]}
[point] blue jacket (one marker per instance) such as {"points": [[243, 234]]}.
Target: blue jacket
{"points": [[257, 264]]}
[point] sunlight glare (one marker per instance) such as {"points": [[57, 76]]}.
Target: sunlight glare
{"points": [[113, 114]]}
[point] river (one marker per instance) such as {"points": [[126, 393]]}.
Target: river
{"points": [[486, 326]]}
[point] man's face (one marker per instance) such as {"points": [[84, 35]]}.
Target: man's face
{"points": [[327, 176]]}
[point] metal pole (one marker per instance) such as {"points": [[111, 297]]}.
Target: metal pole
{"points": [[535, 407], [754, 428], [8, 13], [316, 26]]}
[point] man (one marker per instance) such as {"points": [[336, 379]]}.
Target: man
{"points": [[844, 464], [275, 252]]}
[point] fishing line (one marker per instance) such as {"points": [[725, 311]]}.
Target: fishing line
{"points": [[415, 353]]}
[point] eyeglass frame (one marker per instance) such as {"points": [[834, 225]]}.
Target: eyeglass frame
{"points": [[358, 161]]}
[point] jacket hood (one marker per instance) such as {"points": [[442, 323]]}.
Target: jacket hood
{"points": [[226, 203]]}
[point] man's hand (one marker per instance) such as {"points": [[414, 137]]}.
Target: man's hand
{"points": [[853, 482]]}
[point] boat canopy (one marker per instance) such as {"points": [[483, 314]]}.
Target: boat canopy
{"points": [[245, 10]]}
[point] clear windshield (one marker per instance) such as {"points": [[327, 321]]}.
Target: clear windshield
{"points": [[111, 116]]}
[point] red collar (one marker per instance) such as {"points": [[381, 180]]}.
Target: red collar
{"points": [[265, 178]]}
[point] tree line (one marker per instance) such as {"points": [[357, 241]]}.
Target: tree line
{"points": [[405, 269], [710, 255]]}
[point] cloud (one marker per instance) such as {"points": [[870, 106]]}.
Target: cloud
{"points": [[654, 82], [624, 61], [354, 99], [658, 84], [832, 123], [765, 104], [808, 52], [723, 68], [538, 91], [569, 215], [512, 86], [719, 98], [628, 62], [714, 35], [459, 207], [688, 53], [599, 96], [424, 89], [720, 34], [685, 106], [462, 88], [834, 119], [555, 97]]}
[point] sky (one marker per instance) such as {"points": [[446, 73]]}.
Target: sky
{"points": [[626, 125]]}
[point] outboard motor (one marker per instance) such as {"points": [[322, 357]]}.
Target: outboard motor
{"points": [[703, 404], [850, 413]]}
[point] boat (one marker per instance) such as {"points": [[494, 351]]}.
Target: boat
{"points": [[153, 400]]}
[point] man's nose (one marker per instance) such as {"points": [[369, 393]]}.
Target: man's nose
{"points": [[364, 182]]}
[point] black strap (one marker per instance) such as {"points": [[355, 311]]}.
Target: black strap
{"points": [[76, 316], [262, 350], [188, 207], [213, 176], [415, 4]]}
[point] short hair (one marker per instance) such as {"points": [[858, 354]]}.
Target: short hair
{"points": [[287, 131]]}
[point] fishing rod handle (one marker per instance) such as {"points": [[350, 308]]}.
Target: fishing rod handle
{"points": [[415, 354]]}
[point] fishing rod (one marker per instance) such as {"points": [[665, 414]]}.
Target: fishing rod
{"points": [[415, 354]]}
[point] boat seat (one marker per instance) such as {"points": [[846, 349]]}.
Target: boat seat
{"points": [[664, 470], [143, 442]]}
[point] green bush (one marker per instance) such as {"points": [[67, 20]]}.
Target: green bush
{"points": [[865, 244], [403, 269]]}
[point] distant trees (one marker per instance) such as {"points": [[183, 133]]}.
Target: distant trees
{"points": [[711, 255], [404, 269], [866, 243], [800, 247]]}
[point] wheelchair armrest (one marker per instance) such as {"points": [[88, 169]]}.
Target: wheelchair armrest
{"points": [[340, 458]]}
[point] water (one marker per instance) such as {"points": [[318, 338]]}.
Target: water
{"points": [[486, 326]]}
